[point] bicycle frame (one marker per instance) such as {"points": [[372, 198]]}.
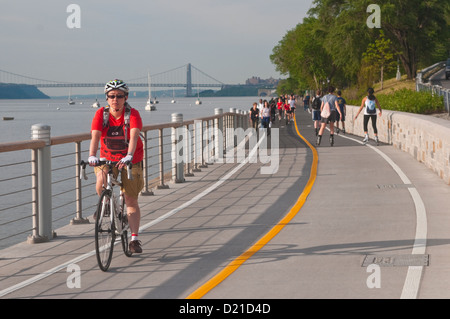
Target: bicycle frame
{"points": [[117, 224], [115, 206]]}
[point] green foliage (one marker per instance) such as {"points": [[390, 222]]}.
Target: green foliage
{"points": [[411, 101], [405, 100], [329, 44]]}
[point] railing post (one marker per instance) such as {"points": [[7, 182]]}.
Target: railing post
{"points": [[146, 191], [188, 152], [233, 137], [207, 146], [197, 145], [35, 238], [177, 159], [44, 182], [161, 161], [218, 135], [78, 197]]}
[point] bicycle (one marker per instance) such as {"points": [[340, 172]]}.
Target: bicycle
{"points": [[110, 217]]}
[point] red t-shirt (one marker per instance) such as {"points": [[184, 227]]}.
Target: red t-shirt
{"points": [[279, 104], [112, 141]]}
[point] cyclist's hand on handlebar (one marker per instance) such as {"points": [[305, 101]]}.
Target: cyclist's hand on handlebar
{"points": [[125, 161], [93, 160]]}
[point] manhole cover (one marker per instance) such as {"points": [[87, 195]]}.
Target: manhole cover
{"points": [[396, 260]]}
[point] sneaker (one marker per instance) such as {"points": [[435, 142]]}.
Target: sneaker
{"points": [[343, 130], [366, 139], [332, 140], [337, 130], [135, 246], [376, 140]]}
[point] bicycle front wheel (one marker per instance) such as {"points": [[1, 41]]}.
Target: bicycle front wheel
{"points": [[126, 233], [105, 234]]}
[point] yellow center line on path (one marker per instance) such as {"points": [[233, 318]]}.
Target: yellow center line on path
{"points": [[236, 263]]}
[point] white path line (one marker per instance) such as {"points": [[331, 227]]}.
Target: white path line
{"points": [[60, 267], [412, 281]]}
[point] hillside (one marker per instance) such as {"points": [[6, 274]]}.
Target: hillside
{"points": [[20, 91], [354, 95]]}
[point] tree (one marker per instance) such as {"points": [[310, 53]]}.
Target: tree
{"points": [[300, 55], [416, 28], [335, 44], [380, 56]]}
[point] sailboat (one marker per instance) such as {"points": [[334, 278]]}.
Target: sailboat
{"points": [[150, 106], [70, 102], [173, 96], [96, 104], [198, 102]]}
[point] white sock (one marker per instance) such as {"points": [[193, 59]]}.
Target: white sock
{"points": [[134, 237]]}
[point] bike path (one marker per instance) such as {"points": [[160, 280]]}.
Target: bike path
{"points": [[358, 206], [189, 232]]}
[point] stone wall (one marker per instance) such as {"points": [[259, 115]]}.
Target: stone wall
{"points": [[426, 138]]}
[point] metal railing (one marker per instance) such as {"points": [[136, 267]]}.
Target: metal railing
{"points": [[434, 89], [51, 194]]}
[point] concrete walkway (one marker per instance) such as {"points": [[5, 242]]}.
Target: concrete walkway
{"points": [[361, 211]]}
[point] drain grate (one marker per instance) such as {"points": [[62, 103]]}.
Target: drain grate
{"points": [[395, 186], [396, 260]]}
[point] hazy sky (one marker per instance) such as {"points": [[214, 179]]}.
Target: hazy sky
{"points": [[230, 40]]}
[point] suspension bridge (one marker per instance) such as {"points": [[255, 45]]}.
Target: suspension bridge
{"points": [[186, 76]]}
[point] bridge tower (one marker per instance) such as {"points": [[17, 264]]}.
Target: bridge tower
{"points": [[188, 81]]}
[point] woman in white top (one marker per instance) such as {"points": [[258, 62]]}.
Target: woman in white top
{"points": [[369, 103]]}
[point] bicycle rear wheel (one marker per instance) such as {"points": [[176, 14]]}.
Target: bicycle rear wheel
{"points": [[105, 234], [126, 234]]}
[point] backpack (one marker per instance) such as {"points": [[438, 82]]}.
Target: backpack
{"points": [[316, 103], [370, 106], [126, 119], [326, 111]]}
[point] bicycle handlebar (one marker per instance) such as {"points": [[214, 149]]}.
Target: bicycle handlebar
{"points": [[83, 168]]}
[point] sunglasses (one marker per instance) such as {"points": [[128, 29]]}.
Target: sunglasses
{"points": [[112, 97]]}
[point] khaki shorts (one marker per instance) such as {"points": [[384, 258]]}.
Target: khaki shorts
{"points": [[130, 187]]}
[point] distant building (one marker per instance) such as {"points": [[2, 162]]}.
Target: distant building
{"points": [[254, 80]]}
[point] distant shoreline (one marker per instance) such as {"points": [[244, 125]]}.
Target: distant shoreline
{"points": [[20, 91]]}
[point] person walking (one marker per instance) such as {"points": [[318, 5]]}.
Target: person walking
{"points": [[265, 117], [280, 108], [342, 106], [315, 106], [254, 115], [369, 103], [292, 104], [306, 101], [120, 142], [329, 102], [287, 110]]}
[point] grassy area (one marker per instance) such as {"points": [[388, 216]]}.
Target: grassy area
{"points": [[354, 95], [400, 96], [392, 85]]}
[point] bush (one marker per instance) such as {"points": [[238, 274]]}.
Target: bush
{"points": [[405, 100], [411, 101]]}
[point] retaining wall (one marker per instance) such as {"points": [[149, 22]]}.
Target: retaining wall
{"points": [[426, 138]]}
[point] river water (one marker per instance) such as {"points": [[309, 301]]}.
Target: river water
{"points": [[67, 119], [73, 119]]}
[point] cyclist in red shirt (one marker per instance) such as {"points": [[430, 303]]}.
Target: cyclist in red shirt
{"points": [[120, 143]]}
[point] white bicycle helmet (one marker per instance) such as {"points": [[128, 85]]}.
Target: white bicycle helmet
{"points": [[116, 85]]}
